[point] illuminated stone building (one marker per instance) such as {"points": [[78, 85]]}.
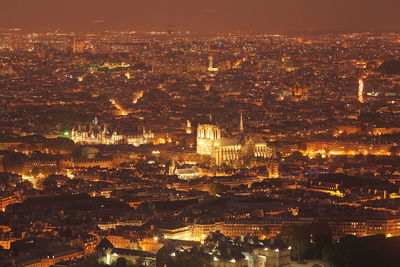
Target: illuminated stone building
{"points": [[360, 227], [333, 147], [273, 169], [184, 173], [273, 226], [268, 227], [95, 133], [232, 150], [276, 255]]}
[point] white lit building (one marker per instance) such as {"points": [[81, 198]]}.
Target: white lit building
{"points": [[95, 133], [232, 150]]}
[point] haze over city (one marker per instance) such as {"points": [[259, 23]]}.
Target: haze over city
{"points": [[254, 16]]}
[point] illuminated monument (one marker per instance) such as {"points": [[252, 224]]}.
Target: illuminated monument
{"points": [[231, 150], [96, 133], [211, 64], [361, 90]]}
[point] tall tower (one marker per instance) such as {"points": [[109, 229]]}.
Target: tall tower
{"points": [[241, 122], [74, 46], [188, 127], [273, 169], [210, 63], [361, 90], [208, 139]]}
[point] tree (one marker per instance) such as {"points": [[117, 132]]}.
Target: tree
{"points": [[216, 188], [321, 237], [35, 171], [91, 263], [49, 183], [319, 158], [14, 162], [366, 251], [163, 161], [296, 157], [60, 144], [299, 238], [25, 186], [308, 240], [394, 150], [121, 262]]}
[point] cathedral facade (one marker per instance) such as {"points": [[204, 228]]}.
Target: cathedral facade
{"points": [[232, 150]]}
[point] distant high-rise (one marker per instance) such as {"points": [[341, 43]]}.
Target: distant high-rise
{"points": [[361, 90], [241, 122]]}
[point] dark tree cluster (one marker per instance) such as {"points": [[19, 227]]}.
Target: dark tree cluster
{"points": [[370, 251]]}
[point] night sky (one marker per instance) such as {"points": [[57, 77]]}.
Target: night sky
{"points": [[247, 16]]}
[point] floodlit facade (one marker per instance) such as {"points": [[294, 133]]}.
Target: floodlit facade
{"points": [[95, 133], [233, 150]]}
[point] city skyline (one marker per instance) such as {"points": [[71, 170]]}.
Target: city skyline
{"points": [[171, 133]]}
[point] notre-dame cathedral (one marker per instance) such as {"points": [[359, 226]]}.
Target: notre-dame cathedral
{"points": [[230, 150]]}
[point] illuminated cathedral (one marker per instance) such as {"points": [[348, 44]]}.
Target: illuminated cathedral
{"points": [[230, 150]]}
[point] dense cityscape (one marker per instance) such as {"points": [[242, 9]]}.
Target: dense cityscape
{"points": [[173, 148]]}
